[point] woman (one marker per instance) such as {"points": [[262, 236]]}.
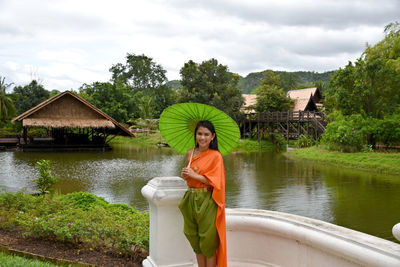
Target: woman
{"points": [[203, 205]]}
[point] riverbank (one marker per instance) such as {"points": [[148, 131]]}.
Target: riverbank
{"points": [[155, 139], [385, 163]]}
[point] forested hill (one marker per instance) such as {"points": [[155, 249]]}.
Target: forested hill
{"points": [[289, 80]]}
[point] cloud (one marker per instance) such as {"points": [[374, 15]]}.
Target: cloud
{"points": [[68, 43]]}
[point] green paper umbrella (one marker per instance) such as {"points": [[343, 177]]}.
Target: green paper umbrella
{"points": [[178, 122]]}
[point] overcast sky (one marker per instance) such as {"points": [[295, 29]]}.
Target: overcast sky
{"points": [[65, 43]]}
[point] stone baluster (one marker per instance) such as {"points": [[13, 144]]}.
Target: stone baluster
{"points": [[168, 244]]}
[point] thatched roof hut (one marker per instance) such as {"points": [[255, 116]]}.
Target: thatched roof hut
{"points": [[71, 123], [67, 110]]}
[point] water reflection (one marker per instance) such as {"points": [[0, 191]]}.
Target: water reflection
{"points": [[358, 200]]}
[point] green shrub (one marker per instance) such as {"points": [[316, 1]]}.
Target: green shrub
{"points": [[349, 133], [304, 141], [37, 132], [388, 130], [19, 201], [278, 141], [342, 136], [80, 218], [84, 200], [46, 181]]}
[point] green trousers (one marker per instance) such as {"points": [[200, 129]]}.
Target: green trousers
{"points": [[199, 212]]}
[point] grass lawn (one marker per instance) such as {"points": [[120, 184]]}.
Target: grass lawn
{"points": [[388, 163], [16, 261]]}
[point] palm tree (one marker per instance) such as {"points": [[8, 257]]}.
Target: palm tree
{"points": [[7, 108]]}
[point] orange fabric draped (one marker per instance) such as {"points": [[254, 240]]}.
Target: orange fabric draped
{"points": [[210, 164]]}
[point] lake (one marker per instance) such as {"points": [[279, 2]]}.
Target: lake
{"points": [[362, 201]]}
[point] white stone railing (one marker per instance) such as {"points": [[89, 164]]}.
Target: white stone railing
{"points": [[260, 237]]}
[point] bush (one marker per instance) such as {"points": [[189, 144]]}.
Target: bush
{"points": [[82, 219], [84, 200], [46, 181], [388, 130], [350, 133], [304, 141], [342, 135], [278, 141], [38, 132]]}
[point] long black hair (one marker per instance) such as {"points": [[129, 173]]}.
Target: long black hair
{"points": [[210, 127]]}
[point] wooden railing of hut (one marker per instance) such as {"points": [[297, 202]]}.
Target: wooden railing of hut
{"points": [[290, 124]]}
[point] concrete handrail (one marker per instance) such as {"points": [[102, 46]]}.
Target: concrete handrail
{"points": [[261, 237], [396, 231], [270, 238]]}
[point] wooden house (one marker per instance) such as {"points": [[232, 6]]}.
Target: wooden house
{"points": [[249, 102], [72, 123], [308, 99]]}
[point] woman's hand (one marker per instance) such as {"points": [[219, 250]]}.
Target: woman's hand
{"points": [[183, 175], [187, 172]]}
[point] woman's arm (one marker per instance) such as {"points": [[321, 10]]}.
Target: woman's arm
{"points": [[189, 172]]}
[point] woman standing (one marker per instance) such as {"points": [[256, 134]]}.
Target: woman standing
{"points": [[203, 205]]}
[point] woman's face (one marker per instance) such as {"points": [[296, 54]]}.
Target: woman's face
{"points": [[204, 137]]}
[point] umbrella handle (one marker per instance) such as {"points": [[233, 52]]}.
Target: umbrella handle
{"points": [[191, 156]]}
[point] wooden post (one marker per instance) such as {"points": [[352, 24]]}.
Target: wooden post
{"points": [[308, 122], [287, 128], [258, 127], [25, 135]]}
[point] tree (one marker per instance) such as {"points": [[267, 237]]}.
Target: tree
{"points": [[371, 86], [7, 108], [116, 100], [142, 74], [211, 83], [270, 96], [29, 96]]}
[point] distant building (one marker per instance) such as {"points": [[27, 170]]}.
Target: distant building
{"points": [[249, 102], [308, 99]]}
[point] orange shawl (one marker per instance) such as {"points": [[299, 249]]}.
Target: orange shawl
{"points": [[210, 164]]}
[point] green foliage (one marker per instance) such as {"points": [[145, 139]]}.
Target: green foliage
{"points": [[174, 84], [7, 132], [54, 92], [82, 219], [348, 133], [369, 161], [84, 200], [144, 77], [304, 141], [388, 130], [148, 124], [17, 201], [146, 105], [28, 96], [38, 132], [278, 141], [249, 145], [370, 86], [211, 83], [289, 80], [7, 108], [116, 100], [7, 260], [46, 181], [270, 96]]}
